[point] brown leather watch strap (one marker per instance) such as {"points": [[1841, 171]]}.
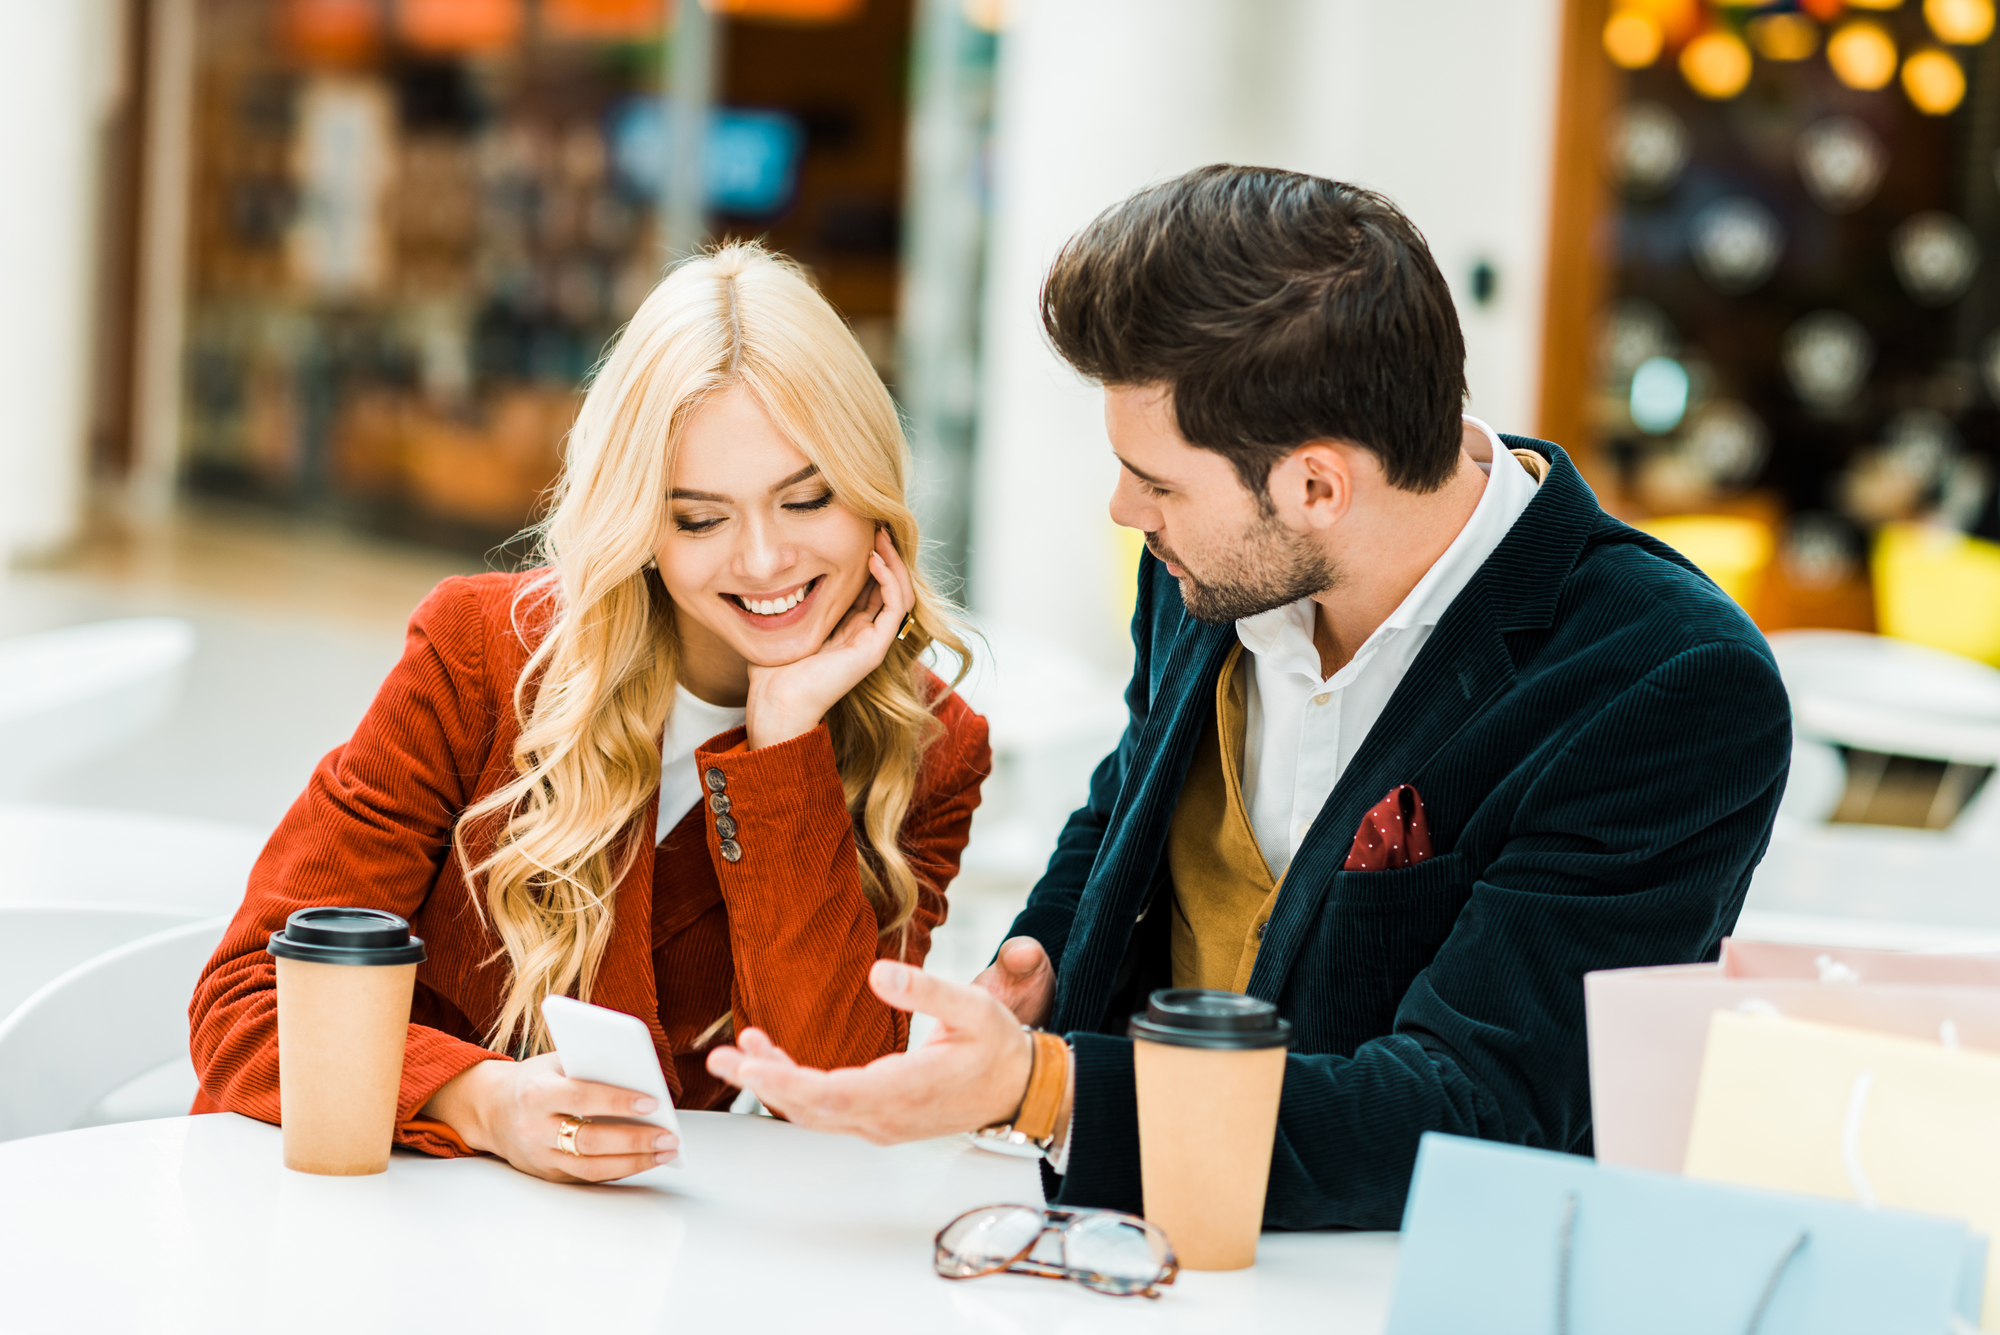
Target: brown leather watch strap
{"points": [[1042, 1103]]}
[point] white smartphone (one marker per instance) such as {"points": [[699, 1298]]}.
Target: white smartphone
{"points": [[612, 1048]]}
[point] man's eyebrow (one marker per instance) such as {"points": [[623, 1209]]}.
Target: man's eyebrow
{"points": [[1142, 475], [683, 494]]}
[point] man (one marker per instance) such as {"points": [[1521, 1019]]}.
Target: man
{"points": [[1419, 735]]}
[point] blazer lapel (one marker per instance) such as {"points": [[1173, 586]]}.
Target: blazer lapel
{"points": [[1136, 834], [1463, 666]]}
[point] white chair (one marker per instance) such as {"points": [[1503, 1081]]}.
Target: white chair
{"points": [[67, 695], [1888, 697], [1891, 696], [110, 1023], [40, 942], [75, 855]]}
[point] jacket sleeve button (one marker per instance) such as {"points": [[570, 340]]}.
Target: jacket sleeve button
{"points": [[732, 851], [726, 826], [718, 803], [715, 779]]}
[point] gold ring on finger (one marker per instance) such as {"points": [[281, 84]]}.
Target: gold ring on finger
{"points": [[909, 624], [566, 1135]]}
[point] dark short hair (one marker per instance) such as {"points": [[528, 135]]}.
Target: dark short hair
{"points": [[1279, 308]]}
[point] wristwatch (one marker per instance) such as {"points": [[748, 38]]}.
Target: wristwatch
{"points": [[1034, 1122]]}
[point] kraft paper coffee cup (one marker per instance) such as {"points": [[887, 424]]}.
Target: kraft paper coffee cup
{"points": [[1209, 1067], [345, 978]]}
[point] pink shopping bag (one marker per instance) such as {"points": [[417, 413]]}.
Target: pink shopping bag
{"points": [[1648, 1027]]}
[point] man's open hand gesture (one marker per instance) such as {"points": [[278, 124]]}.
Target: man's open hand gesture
{"points": [[972, 1073]]}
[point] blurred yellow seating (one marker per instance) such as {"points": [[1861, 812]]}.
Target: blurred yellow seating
{"points": [[1938, 587], [1731, 550]]}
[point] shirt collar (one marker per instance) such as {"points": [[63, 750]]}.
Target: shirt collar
{"points": [[1282, 637]]}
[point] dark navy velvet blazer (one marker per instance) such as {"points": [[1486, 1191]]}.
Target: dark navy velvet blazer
{"points": [[1600, 738]]}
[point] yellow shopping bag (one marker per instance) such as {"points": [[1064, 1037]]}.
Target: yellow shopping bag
{"points": [[1861, 1116]]}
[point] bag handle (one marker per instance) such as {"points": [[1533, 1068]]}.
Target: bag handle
{"points": [[1565, 1246], [1850, 1140]]}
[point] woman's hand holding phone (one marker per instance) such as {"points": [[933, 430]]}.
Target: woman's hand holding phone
{"points": [[515, 1109], [789, 701]]}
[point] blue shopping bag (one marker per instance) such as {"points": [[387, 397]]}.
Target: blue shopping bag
{"points": [[1511, 1241]]}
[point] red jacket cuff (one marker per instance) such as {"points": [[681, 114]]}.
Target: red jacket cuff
{"points": [[430, 1060]]}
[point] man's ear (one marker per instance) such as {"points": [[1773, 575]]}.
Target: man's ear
{"points": [[1313, 487]]}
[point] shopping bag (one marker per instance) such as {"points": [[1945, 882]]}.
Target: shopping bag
{"points": [[1503, 1240], [1836, 965], [1843, 1113], [1646, 1027]]}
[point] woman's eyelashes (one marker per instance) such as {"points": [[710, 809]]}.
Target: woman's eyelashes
{"points": [[696, 525]]}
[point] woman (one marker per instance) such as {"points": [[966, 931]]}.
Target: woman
{"points": [[690, 769]]}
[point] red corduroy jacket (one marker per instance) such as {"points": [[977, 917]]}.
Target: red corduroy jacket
{"points": [[781, 939]]}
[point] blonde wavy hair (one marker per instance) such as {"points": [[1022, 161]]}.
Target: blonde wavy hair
{"points": [[594, 697]]}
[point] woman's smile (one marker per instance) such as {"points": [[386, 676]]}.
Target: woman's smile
{"points": [[777, 610]]}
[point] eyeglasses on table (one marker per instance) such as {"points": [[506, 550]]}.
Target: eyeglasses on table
{"points": [[1118, 1254]]}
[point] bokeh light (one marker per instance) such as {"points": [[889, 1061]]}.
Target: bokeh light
{"points": [[986, 15], [1659, 396], [1726, 442], [1935, 255], [1632, 40], [331, 32], [1784, 36], [1635, 330], [1863, 56], [1934, 82], [1875, 4], [1716, 64], [787, 11], [1827, 355], [1736, 243], [1842, 162], [1960, 22], [1649, 148], [463, 27]]}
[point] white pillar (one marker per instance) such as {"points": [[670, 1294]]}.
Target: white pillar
{"points": [[1445, 105], [160, 313], [1448, 107], [58, 69]]}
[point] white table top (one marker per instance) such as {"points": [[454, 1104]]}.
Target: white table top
{"points": [[192, 1224]]}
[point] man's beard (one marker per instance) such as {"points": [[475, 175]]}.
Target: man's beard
{"points": [[1275, 567]]}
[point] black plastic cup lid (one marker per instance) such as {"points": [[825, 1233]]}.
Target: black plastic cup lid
{"points": [[346, 936], [1197, 1017]]}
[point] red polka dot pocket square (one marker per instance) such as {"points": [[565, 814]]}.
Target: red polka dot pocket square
{"points": [[1393, 834]]}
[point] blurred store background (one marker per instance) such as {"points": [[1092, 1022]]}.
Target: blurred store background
{"points": [[300, 294]]}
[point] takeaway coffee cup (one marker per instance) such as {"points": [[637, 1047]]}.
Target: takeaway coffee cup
{"points": [[1208, 1066], [345, 978]]}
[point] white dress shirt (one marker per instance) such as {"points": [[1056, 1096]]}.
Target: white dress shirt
{"points": [[692, 722], [1300, 731]]}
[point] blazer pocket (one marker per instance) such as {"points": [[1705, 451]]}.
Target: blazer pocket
{"points": [[1390, 925], [1405, 887]]}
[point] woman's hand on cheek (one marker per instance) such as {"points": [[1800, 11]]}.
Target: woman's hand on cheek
{"points": [[789, 701]]}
